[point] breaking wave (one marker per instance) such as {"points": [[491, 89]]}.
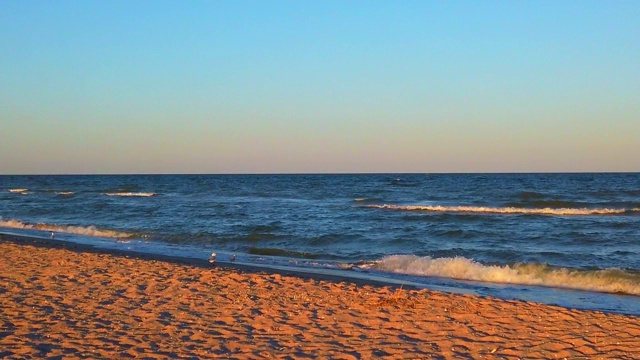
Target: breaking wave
{"points": [[132, 194], [506, 210], [18, 191], [64, 193], [79, 230], [461, 268], [26, 191]]}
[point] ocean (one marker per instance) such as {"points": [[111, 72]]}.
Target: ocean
{"points": [[566, 239]]}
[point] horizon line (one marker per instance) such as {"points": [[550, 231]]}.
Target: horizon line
{"points": [[326, 173]]}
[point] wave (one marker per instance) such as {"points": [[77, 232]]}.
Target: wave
{"points": [[18, 191], [64, 193], [26, 191], [505, 210], [132, 194], [609, 280], [79, 230]]}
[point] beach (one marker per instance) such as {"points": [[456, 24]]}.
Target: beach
{"points": [[58, 301]]}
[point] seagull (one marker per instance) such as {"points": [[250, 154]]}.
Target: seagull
{"points": [[52, 235], [212, 258]]}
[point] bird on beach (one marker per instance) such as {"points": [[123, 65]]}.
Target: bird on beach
{"points": [[52, 235], [212, 258]]}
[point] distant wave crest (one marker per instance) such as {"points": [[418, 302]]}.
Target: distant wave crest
{"points": [[79, 230], [132, 194], [505, 210], [18, 191], [26, 191], [609, 280]]}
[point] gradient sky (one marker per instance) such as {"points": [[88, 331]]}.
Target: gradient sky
{"points": [[322, 86]]}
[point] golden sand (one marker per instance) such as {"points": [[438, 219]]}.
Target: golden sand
{"points": [[59, 303]]}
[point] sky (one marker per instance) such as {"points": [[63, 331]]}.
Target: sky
{"points": [[127, 87]]}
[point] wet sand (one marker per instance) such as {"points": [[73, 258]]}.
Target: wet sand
{"points": [[64, 303]]}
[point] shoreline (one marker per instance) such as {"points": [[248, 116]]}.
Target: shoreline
{"points": [[66, 299], [567, 297], [311, 273]]}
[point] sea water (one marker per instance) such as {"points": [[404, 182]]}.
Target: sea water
{"points": [[567, 239]]}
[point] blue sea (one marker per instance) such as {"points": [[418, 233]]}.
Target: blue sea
{"points": [[566, 239]]}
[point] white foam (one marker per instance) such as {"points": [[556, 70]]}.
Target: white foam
{"points": [[610, 280], [65, 193], [79, 230], [18, 191], [132, 194], [503, 210]]}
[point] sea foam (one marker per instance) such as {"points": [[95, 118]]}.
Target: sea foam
{"points": [[79, 230], [132, 194], [504, 210], [461, 268], [18, 191], [65, 193]]}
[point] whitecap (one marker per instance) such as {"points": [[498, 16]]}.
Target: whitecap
{"points": [[132, 194], [79, 230], [461, 268], [503, 210]]}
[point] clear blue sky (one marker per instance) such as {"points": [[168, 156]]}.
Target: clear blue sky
{"points": [[319, 86]]}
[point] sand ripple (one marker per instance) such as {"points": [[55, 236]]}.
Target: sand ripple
{"points": [[59, 303]]}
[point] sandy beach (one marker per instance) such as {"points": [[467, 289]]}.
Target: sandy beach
{"points": [[57, 302]]}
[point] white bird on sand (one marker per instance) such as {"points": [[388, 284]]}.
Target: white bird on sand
{"points": [[212, 258]]}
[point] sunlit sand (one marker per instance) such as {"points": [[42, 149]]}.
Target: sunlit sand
{"points": [[59, 302]]}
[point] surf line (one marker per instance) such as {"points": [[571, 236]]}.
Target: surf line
{"points": [[503, 210]]}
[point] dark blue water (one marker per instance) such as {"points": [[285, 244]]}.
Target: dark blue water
{"points": [[509, 235]]}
